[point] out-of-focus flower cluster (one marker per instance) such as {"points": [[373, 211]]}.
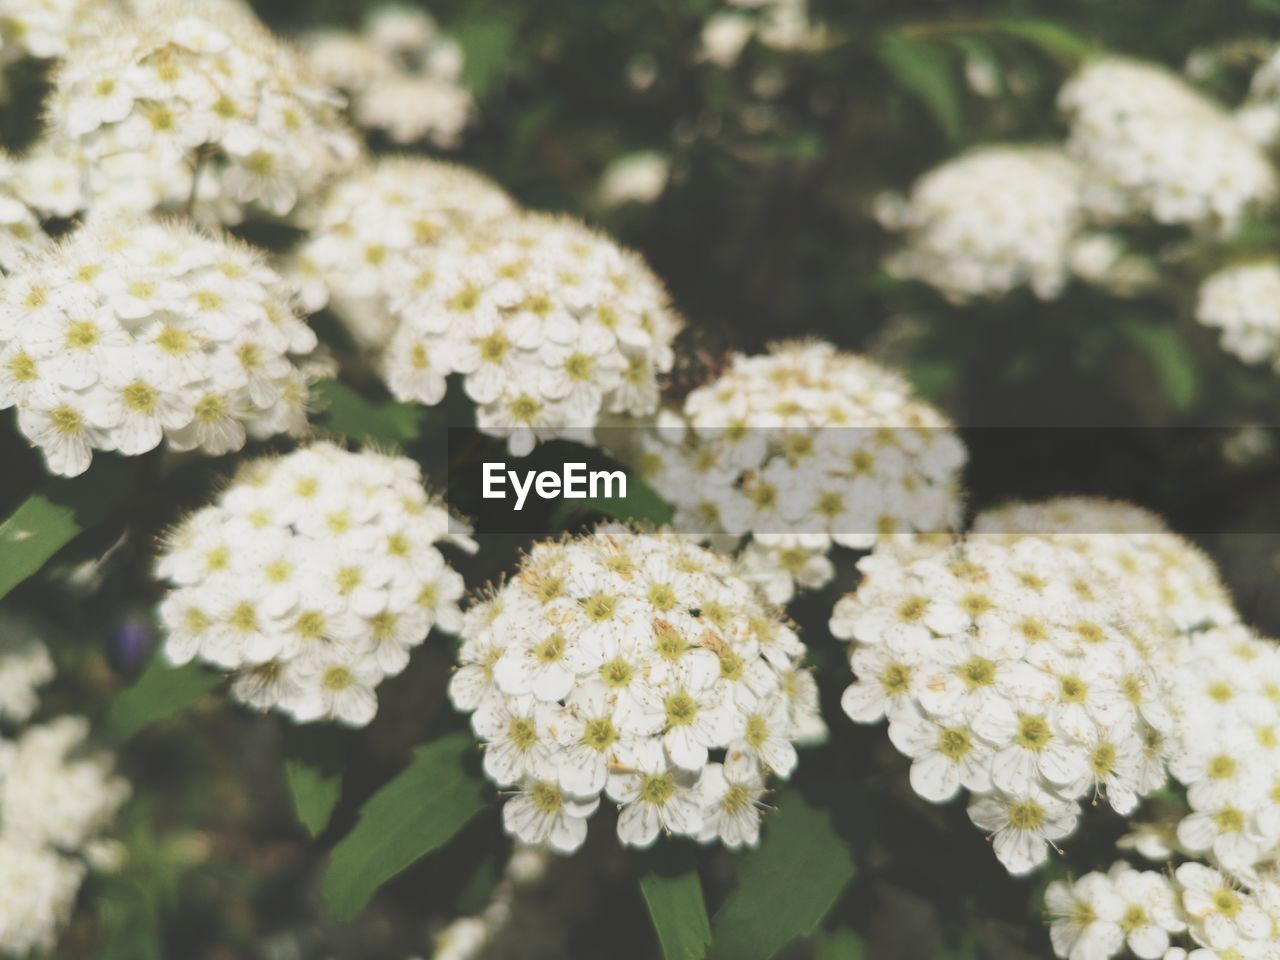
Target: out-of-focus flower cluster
{"points": [[468, 938], [312, 578], [1030, 662], [196, 106], [401, 74], [1143, 146], [47, 29], [802, 448], [131, 331], [640, 666], [780, 24], [57, 797], [1243, 301]]}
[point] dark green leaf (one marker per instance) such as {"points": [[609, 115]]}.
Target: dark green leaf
{"points": [[128, 920], [416, 812], [162, 691], [315, 793], [48, 520], [1063, 44], [1174, 365], [840, 944], [487, 43], [347, 413], [678, 913], [786, 886], [924, 69]]}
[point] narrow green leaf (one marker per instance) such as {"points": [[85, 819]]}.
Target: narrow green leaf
{"points": [[925, 70], [162, 691], [416, 812], [487, 42], [786, 886], [842, 944], [1174, 365], [1062, 43], [49, 519], [347, 413], [315, 793], [678, 913]]}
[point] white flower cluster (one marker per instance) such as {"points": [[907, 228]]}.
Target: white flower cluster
{"points": [[20, 231], [206, 91], [1173, 586], [401, 74], [55, 801], [780, 24], [1259, 115], [804, 447], [25, 666], [641, 666], [311, 578], [990, 221], [1151, 146], [47, 29], [550, 324], [366, 230], [1012, 668], [1243, 301], [1141, 913], [131, 332]]}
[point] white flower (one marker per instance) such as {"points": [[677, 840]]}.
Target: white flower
{"points": [[131, 332], [25, 666], [1022, 827], [1243, 301], [632, 664], [312, 577], [1085, 918]]}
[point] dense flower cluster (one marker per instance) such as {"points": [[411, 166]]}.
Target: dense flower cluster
{"points": [[989, 221], [1173, 586], [401, 74], [1011, 668], [641, 666], [25, 666], [1150, 145], [803, 447], [131, 332], [1243, 301], [20, 231], [1141, 913], [311, 578], [1259, 115], [367, 228], [46, 29], [550, 324], [55, 801], [207, 91]]}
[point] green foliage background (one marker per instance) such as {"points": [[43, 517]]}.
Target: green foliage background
{"points": [[249, 838]]}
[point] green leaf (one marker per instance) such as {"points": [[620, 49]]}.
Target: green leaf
{"points": [[1174, 365], [487, 42], [1062, 43], [416, 812], [786, 886], [842, 944], [315, 793], [924, 69], [162, 691], [46, 521], [678, 913], [347, 413], [128, 920]]}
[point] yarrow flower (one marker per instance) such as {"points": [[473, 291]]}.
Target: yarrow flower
{"points": [[365, 230], [401, 74], [208, 89], [989, 221], [639, 666], [549, 323], [1013, 669], [133, 332], [1150, 145], [56, 799], [312, 578], [1243, 302], [803, 447]]}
